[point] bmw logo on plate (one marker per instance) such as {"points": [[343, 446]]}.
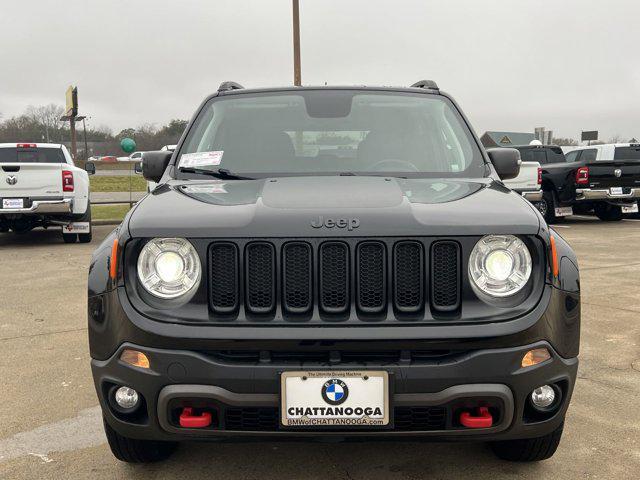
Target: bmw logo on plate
{"points": [[335, 391]]}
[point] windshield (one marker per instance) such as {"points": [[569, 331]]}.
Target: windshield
{"points": [[332, 132], [32, 155]]}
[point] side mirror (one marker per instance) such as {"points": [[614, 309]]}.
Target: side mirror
{"points": [[90, 168], [154, 164], [137, 168], [506, 161]]}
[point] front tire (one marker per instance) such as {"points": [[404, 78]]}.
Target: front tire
{"points": [[132, 450], [529, 449], [608, 213]]}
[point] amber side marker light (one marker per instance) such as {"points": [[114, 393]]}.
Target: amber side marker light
{"points": [[113, 260], [135, 358], [535, 356], [554, 257]]}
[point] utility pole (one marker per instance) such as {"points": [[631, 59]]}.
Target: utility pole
{"points": [[297, 74], [74, 145]]}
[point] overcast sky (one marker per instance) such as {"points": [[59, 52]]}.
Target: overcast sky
{"points": [[513, 65]]}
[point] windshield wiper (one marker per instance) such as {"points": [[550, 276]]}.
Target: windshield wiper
{"points": [[218, 173]]}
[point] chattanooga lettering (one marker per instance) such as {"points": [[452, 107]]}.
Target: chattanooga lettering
{"points": [[334, 411]]}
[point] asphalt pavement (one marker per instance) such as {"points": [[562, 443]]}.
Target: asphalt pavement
{"points": [[51, 425]]}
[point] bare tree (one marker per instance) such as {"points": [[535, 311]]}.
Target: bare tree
{"points": [[617, 138], [48, 116], [564, 142]]}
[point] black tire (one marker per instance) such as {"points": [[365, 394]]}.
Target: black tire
{"points": [[547, 206], [86, 237], [607, 212], [529, 449], [132, 450], [70, 237]]}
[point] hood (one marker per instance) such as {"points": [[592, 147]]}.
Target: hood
{"points": [[325, 206]]}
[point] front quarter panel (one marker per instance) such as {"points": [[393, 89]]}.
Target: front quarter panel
{"points": [[569, 275]]}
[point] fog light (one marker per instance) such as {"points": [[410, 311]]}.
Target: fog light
{"points": [[543, 397], [126, 398]]}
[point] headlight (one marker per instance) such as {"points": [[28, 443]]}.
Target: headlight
{"points": [[499, 265], [168, 267]]}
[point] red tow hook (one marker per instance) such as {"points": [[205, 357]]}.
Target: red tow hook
{"points": [[189, 420], [483, 420]]}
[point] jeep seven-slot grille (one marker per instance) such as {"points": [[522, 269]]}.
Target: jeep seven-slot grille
{"points": [[316, 280], [372, 285], [297, 283], [409, 276], [334, 277], [445, 276], [260, 277], [224, 277]]}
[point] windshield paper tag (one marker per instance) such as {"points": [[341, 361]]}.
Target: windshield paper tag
{"points": [[201, 159]]}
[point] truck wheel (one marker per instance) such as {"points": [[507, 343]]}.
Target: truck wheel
{"points": [[547, 206], [529, 449], [132, 450], [607, 212], [86, 237]]}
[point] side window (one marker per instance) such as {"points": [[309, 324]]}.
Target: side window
{"points": [[589, 155], [573, 156]]}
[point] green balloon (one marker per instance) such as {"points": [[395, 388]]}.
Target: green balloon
{"points": [[128, 145]]}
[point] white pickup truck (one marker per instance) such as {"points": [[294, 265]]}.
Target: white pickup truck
{"points": [[528, 181], [41, 187]]}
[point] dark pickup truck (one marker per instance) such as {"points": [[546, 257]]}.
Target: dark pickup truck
{"points": [[602, 178]]}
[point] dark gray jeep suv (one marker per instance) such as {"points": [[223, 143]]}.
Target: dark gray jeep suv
{"points": [[333, 263]]}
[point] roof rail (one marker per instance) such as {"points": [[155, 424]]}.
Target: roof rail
{"points": [[430, 84], [226, 86]]}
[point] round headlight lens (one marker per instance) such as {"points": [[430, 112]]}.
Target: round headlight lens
{"points": [[499, 265], [168, 267]]}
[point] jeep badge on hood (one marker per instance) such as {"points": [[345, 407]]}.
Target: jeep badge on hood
{"points": [[348, 223]]}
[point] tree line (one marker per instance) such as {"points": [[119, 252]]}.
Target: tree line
{"points": [[42, 124]]}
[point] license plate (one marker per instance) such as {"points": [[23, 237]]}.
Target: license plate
{"points": [[563, 211], [76, 227], [633, 208], [335, 399], [616, 191], [12, 203]]}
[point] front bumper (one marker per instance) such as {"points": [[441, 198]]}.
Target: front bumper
{"points": [[39, 207], [605, 194], [251, 388]]}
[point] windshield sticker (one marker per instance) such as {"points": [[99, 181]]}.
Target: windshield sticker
{"points": [[201, 159], [209, 188]]}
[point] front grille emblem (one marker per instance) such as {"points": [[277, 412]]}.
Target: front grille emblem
{"points": [[12, 179], [617, 172]]}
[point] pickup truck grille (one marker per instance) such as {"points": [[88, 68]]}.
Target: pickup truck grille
{"points": [[333, 279]]}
